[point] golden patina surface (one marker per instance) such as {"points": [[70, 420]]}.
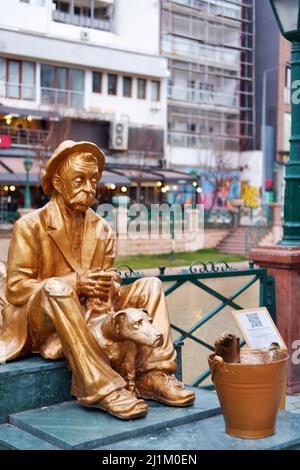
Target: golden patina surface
{"points": [[62, 297]]}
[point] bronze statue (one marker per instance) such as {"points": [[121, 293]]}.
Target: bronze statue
{"points": [[60, 280]]}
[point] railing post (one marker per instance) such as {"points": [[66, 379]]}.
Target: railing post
{"points": [[178, 348]]}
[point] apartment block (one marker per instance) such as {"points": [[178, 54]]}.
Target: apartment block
{"points": [[210, 50], [85, 70]]}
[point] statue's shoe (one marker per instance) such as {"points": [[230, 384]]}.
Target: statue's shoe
{"points": [[123, 404], [165, 388]]}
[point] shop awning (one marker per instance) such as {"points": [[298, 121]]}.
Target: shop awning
{"points": [[152, 175], [36, 114], [12, 172], [110, 177]]}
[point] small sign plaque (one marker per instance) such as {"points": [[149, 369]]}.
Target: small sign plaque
{"points": [[257, 327]]}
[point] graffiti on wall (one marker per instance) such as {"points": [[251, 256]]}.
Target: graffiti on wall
{"points": [[250, 195]]}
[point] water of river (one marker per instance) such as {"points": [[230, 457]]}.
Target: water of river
{"points": [[188, 304]]}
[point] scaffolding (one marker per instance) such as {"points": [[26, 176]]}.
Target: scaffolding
{"points": [[209, 45]]}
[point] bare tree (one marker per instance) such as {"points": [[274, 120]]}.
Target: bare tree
{"points": [[57, 132]]}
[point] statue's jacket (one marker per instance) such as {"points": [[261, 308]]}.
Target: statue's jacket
{"points": [[41, 249]]}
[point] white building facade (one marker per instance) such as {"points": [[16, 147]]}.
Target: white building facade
{"points": [[94, 63]]}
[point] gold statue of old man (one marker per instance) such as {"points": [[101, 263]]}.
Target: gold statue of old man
{"points": [[60, 278]]}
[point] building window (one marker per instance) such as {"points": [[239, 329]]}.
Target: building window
{"points": [[82, 11], [62, 86], [61, 6], [155, 90], [17, 79], [141, 88], [112, 84], [97, 82], [127, 87]]}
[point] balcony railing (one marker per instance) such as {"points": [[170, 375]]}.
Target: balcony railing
{"points": [[201, 142], [191, 95], [212, 8], [80, 20], [26, 137], [64, 98], [200, 52], [17, 91]]}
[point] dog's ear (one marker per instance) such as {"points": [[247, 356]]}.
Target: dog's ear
{"points": [[117, 319]]}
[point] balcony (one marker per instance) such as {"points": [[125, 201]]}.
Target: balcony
{"points": [[80, 20], [17, 91], [62, 98], [212, 8], [202, 142], [200, 53], [190, 95], [25, 137]]}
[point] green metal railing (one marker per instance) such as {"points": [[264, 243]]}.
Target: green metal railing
{"points": [[218, 218], [196, 274], [8, 216], [257, 232]]}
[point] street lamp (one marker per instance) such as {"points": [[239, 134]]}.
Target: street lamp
{"points": [[287, 13], [27, 165]]}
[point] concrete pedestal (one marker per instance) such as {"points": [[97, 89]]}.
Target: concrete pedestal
{"points": [[277, 223], [283, 263]]}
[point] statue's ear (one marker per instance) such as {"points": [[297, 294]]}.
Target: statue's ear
{"points": [[56, 181], [117, 320]]}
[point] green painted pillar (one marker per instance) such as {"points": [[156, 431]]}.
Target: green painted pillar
{"points": [[28, 163], [27, 202], [291, 225]]}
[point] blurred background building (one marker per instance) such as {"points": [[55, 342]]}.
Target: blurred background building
{"points": [[209, 45], [273, 98], [170, 89], [82, 70], [210, 51]]}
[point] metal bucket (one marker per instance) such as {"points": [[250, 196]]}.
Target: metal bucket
{"points": [[249, 394]]}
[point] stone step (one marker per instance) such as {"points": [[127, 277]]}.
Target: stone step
{"points": [[12, 438], [234, 251], [209, 434], [32, 382], [233, 247], [42, 382], [70, 426]]}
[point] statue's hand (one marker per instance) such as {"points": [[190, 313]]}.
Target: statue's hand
{"points": [[94, 283]]}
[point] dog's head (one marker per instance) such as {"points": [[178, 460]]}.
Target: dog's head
{"points": [[134, 324]]}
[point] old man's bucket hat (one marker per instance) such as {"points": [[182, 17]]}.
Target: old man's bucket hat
{"points": [[66, 148]]}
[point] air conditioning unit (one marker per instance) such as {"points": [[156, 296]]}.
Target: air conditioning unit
{"points": [[84, 35], [119, 135]]}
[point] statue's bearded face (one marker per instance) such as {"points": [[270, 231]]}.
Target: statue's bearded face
{"points": [[76, 181]]}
